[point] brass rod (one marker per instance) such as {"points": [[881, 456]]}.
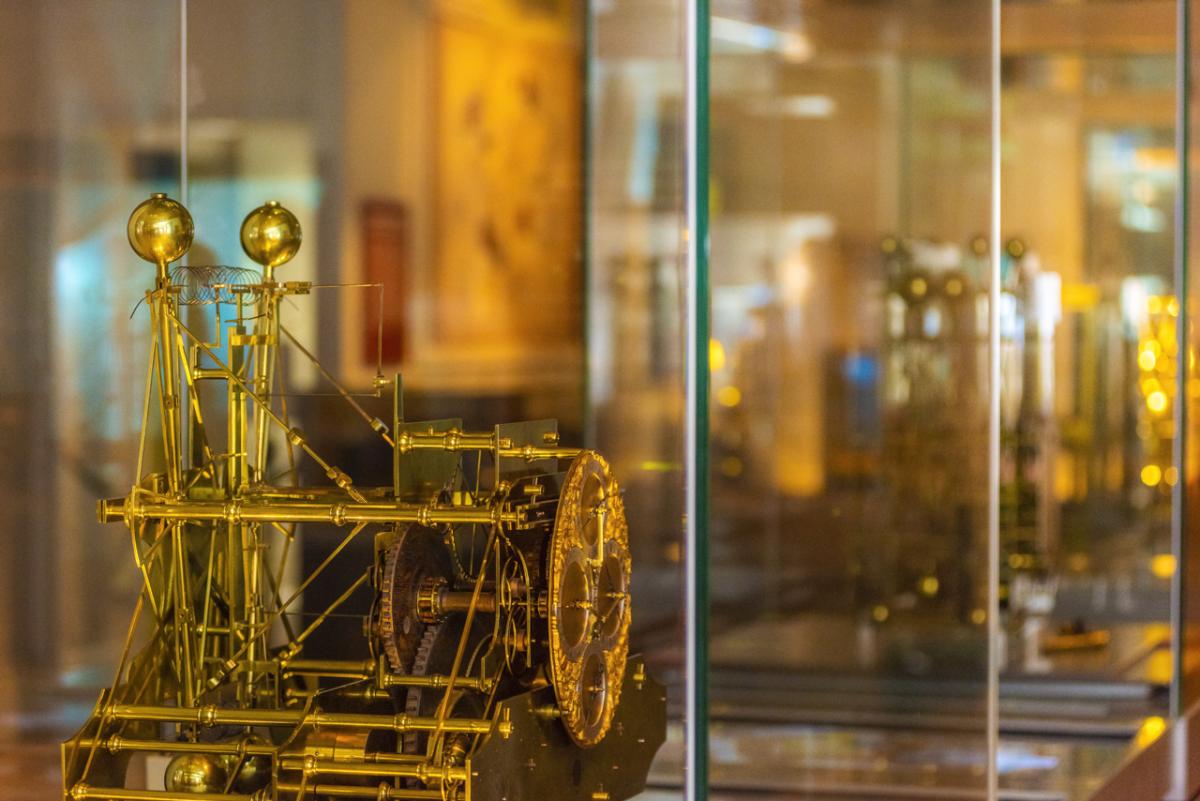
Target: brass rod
{"points": [[365, 693], [232, 662], [461, 600], [365, 671], [298, 641], [482, 684], [409, 770], [229, 716], [168, 387], [82, 791], [335, 474], [375, 423], [236, 511], [265, 333], [455, 441], [348, 791], [117, 743], [183, 614], [331, 667]]}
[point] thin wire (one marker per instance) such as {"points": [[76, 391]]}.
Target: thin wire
{"points": [[371, 421], [183, 102]]}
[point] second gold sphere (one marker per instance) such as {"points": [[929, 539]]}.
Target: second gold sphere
{"points": [[271, 235]]}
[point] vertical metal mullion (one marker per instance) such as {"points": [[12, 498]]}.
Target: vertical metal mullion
{"points": [[993, 511], [696, 37], [1179, 445]]}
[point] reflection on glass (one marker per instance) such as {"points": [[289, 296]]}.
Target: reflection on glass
{"points": [[88, 127], [636, 319], [437, 147], [850, 173], [1188, 650], [1088, 387]]}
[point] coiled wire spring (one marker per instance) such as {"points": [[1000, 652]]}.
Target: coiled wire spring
{"points": [[202, 284]]}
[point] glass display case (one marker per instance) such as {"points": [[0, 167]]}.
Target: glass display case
{"points": [[880, 312], [851, 193]]}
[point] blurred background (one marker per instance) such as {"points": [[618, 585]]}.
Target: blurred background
{"points": [[513, 170]]}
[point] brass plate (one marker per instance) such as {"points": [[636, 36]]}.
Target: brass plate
{"points": [[589, 610], [539, 761]]}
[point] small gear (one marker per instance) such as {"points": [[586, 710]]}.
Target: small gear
{"points": [[418, 554]]}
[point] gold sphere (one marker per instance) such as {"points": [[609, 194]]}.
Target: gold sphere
{"points": [[271, 234], [195, 773], [160, 229]]}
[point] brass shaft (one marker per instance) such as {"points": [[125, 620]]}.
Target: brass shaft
{"points": [[456, 441], [414, 770], [437, 680], [221, 716], [350, 669], [347, 791], [330, 667], [81, 791], [117, 743], [460, 601], [117, 509]]}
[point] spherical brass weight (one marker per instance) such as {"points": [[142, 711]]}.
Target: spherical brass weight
{"points": [[160, 230], [195, 773], [271, 235], [589, 566]]}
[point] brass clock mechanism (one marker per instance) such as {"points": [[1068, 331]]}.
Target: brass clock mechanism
{"points": [[494, 660]]}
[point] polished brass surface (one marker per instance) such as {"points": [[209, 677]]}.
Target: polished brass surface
{"points": [[160, 230], [501, 565], [195, 773], [589, 609], [271, 235]]}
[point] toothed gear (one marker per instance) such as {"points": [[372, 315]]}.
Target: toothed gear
{"points": [[418, 554], [435, 655]]}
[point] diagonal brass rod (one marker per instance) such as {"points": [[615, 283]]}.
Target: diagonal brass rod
{"points": [[337, 475], [266, 625], [375, 423]]}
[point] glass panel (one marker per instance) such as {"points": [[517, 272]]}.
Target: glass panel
{"points": [[636, 316], [436, 148], [88, 127], [851, 192], [1188, 654], [1090, 368]]}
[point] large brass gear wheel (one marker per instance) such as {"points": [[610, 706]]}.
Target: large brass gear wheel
{"points": [[419, 555], [589, 612]]}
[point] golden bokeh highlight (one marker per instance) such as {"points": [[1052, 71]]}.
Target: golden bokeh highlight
{"points": [[1162, 565], [716, 355], [729, 396], [1151, 475]]}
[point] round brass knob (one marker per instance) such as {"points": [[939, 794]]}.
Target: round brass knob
{"points": [[160, 229], [271, 235]]}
